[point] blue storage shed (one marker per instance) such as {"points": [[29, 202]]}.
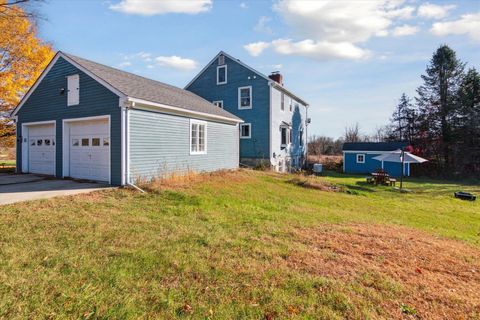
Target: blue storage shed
{"points": [[358, 158]]}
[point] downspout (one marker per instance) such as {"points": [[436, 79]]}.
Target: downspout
{"points": [[128, 181], [305, 163]]}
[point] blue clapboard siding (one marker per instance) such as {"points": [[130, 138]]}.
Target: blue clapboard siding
{"points": [[46, 103], [239, 76], [160, 145], [370, 165]]}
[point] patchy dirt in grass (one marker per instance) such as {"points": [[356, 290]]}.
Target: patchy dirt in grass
{"points": [[439, 278], [316, 184]]}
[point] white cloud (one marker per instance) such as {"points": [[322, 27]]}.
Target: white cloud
{"points": [[340, 21], [433, 11], [468, 24], [176, 62], [256, 48], [320, 49], [243, 5], [328, 29], [154, 7], [262, 25], [311, 49], [405, 30]]}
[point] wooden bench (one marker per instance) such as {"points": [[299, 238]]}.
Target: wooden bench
{"points": [[392, 182]]}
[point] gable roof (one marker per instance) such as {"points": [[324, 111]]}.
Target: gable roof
{"points": [[270, 81], [374, 146], [130, 85]]}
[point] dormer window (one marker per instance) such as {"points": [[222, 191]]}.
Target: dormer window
{"points": [[222, 74]]}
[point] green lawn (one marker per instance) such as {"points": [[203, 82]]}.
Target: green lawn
{"points": [[7, 163], [236, 246]]}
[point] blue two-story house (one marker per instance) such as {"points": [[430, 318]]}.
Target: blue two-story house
{"points": [[274, 132]]}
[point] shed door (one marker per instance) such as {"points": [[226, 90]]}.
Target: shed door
{"points": [[90, 150], [41, 149]]}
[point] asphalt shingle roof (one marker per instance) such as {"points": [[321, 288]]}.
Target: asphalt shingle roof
{"points": [[135, 86], [373, 146]]}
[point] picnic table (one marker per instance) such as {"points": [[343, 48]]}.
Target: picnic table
{"points": [[381, 177]]}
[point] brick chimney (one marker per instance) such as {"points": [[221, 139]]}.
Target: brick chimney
{"points": [[277, 77]]}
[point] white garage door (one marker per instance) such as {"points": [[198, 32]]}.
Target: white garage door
{"points": [[90, 150], [41, 149]]}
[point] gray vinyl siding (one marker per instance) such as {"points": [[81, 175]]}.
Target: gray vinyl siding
{"points": [[46, 103], [160, 146]]}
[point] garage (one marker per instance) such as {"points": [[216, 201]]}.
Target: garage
{"points": [[41, 149], [88, 154]]}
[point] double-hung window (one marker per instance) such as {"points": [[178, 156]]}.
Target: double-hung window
{"points": [[245, 131], [198, 137], [284, 136], [222, 74], [245, 97]]}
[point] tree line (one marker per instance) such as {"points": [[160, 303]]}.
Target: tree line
{"points": [[441, 123]]}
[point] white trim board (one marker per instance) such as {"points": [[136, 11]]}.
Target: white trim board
{"points": [[45, 72], [137, 104]]}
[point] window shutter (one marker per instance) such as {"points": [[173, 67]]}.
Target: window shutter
{"points": [[73, 90]]}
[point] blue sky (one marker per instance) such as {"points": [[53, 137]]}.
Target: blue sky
{"points": [[351, 60]]}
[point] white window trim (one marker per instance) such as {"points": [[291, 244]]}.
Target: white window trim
{"points": [[240, 98], [226, 73], [360, 154], [282, 145], [249, 131], [218, 101], [192, 121]]}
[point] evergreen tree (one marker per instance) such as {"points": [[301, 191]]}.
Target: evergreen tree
{"points": [[403, 120], [467, 131], [437, 102]]}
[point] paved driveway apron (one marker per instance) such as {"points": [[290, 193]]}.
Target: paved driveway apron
{"points": [[24, 187]]}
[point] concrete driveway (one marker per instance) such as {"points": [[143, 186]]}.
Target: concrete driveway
{"points": [[24, 187]]}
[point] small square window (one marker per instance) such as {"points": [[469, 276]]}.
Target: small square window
{"points": [[245, 131], [39, 142], [32, 142], [360, 158], [48, 142], [218, 103], [95, 142], [106, 142], [75, 142], [85, 142]]}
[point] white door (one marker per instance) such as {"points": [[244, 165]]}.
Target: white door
{"points": [[90, 150], [41, 149]]}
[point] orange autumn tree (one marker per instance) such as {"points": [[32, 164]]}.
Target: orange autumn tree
{"points": [[23, 56]]}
